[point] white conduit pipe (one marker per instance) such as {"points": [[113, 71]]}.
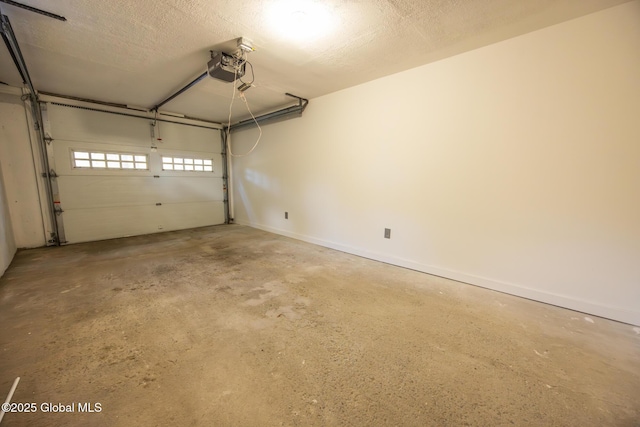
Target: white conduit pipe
{"points": [[229, 178], [8, 400]]}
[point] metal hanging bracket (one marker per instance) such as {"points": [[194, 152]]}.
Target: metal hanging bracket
{"points": [[283, 114]]}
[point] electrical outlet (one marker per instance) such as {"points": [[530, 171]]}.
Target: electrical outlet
{"points": [[286, 215], [387, 233]]}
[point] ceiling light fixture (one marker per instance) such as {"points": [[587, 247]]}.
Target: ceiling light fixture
{"points": [[303, 20]]}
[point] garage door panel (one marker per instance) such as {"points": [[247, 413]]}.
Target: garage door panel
{"points": [[190, 189], [180, 216], [107, 191], [101, 202], [180, 137], [108, 223], [110, 191], [93, 126]]}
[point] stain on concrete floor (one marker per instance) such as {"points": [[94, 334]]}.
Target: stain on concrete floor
{"points": [[232, 326]]}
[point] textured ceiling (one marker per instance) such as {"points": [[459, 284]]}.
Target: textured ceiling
{"points": [[137, 52]]}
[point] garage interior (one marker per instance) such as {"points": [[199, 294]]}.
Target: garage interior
{"points": [[385, 212]]}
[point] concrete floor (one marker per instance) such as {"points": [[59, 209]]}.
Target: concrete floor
{"points": [[231, 326]]}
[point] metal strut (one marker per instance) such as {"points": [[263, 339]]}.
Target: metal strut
{"points": [[10, 40], [13, 56], [184, 89], [34, 9]]}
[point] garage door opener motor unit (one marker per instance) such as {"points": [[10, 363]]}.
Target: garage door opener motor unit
{"points": [[226, 67], [229, 68]]}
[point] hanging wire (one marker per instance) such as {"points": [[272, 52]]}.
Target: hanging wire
{"points": [[244, 99], [253, 77], [257, 124]]}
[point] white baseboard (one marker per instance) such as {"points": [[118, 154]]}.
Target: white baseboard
{"points": [[572, 303]]}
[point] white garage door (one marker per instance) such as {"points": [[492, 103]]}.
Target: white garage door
{"points": [[116, 180]]}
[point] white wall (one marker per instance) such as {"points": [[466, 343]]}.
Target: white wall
{"points": [[7, 242], [515, 167], [19, 173], [9, 125]]}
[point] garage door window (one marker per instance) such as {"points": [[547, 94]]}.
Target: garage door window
{"points": [[185, 164], [103, 160]]}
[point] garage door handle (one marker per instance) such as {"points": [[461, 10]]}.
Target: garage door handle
{"points": [[158, 204]]}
